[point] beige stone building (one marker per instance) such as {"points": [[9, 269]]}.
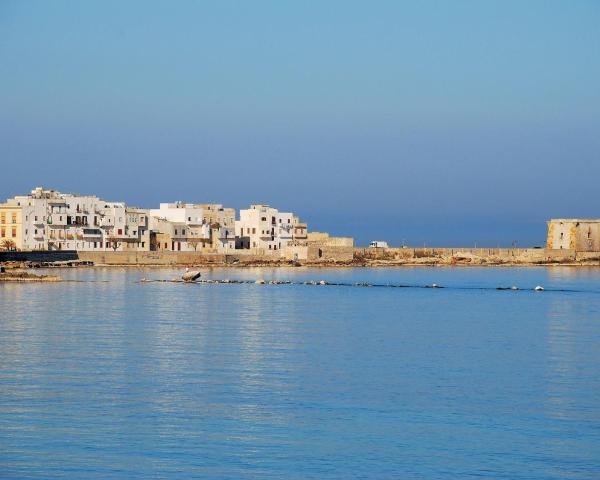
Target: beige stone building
{"points": [[579, 234], [11, 227], [319, 246], [222, 225], [190, 227], [178, 236]]}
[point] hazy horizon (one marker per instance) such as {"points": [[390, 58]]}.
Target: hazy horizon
{"points": [[431, 123]]}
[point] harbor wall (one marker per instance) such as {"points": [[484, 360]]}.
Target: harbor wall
{"points": [[525, 255], [152, 258], [177, 258], [318, 254]]}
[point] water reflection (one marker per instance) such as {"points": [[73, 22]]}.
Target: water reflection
{"points": [[109, 377]]}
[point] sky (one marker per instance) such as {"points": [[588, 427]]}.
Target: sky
{"points": [[437, 123]]}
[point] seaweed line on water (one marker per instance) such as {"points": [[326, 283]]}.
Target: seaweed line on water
{"points": [[323, 283]]}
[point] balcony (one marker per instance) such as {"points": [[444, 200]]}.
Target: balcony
{"points": [[92, 232], [55, 220]]}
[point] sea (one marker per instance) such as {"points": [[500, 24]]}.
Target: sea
{"points": [[106, 376]]}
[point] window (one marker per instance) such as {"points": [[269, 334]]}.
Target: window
{"points": [[254, 230], [175, 231], [35, 218], [189, 219], [3, 218], [120, 231], [264, 219], [143, 244], [14, 232], [2, 232]]}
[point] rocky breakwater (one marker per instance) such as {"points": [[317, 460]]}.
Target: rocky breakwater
{"points": [[18, 275]]}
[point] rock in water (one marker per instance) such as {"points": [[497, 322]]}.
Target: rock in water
{"points": [[190, 276]]}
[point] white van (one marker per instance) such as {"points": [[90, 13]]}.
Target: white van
{"points": [[378, 244]]}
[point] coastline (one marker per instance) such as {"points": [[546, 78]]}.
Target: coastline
{"points": [[22, 266], [347, 258]]}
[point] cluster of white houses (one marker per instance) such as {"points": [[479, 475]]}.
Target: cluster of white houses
{"points": [[50, 220]]}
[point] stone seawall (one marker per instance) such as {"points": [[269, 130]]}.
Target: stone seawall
{"points": [[323, 255], [178, 258], [473, 255], [152, 258]]}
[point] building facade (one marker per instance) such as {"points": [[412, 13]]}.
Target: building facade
{"points": [[11, 227], [51, 220], [579, 234], [179, 227], [262, 228], [222, 225], [56, 221]]}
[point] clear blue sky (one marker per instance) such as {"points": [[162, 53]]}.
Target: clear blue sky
{"points": [[436, 122]]}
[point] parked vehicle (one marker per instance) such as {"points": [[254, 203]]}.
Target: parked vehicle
{"points": [[378, 244]]}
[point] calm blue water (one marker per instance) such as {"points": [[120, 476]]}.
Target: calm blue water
{"points": [[109, 378]]}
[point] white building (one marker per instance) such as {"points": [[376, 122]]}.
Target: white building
{"points": [[262, 228], [193, 227], [64, 221], [181, 227]]}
